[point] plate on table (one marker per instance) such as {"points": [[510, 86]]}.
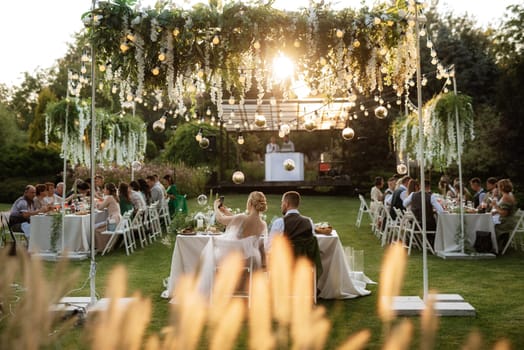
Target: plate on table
{"points": [[187, 232], [323, 228]]}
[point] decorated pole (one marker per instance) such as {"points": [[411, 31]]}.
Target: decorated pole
{"points": [[459, 159], [92, 271], [421, 155]]}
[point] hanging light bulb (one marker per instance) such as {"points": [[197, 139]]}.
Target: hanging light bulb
{"points": [[339, 33], [285, 128], [102, 67], [216, 40], [231, 100], [240, 139], [124, 47], [155, 71], [424, 81], [256, 45], [208, 112], [198, 136], [429, 44], [176, 31], [162, 56]]}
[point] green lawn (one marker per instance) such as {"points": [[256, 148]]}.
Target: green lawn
{"points": [[493, 287]]}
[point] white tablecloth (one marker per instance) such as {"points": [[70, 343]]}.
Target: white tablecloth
{"points": [[336, 282], [448, 226], [76, 237]]}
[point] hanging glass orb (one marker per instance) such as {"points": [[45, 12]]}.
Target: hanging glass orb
{"points": [[285, 128], [260, 121], [136, 165], [238, 177], [159, 126], [381, 112], [281, 134], [310, 125], [204, 143], [402, 169], [202, 200], [348, 133], [289, 165]]}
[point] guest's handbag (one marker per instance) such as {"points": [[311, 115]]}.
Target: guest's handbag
{"points": [[483, 242]]}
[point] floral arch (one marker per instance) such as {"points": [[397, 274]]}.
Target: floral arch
{"points": [[165, 57]]}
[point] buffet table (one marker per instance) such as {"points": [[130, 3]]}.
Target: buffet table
{"points": [[448, 226], [275, 170], [76, 235], [336, 282]]}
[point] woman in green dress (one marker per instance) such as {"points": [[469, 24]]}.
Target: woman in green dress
{"points": [[125, 202], [171, 193], [505, 208]]}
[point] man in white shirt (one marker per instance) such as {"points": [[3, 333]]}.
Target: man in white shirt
{"points": [[287, 145], [272, 146]]}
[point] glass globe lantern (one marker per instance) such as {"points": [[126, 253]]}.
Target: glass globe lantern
{"points": [[238, 177], [289, 165], [204, 143], [348, 133], [381, 112]]}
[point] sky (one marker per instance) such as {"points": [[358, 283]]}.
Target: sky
{"points": [[35, 33]]}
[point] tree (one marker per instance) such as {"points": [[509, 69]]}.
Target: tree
{"points": [[9, 132], [37, 126]]}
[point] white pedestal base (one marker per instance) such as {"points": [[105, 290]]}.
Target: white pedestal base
{"points": [[464, 256], [445, 305]]}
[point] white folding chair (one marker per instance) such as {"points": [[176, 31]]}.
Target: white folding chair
{"points": [[164, 214], [137, 225], [155, 229], [519, 228], [122, 229], [414, 233], [249, 248], [364, 208]]}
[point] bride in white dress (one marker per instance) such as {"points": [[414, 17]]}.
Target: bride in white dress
{"points": [[244, 229]]}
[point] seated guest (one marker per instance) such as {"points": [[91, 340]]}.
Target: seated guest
{"points": [[145, 190], [137, 197], [298, 229], [444, 185], [454, 193], [398, 196], [125, 200], [376, 194], [506, 208], [22, 210], [413, 186], [157, 193], [99, 186], [479, 193], [388, 193], [111, 203], [287, 145], [50, 198], [432, 206], [40, 198], [59, 192], [491, 195]]}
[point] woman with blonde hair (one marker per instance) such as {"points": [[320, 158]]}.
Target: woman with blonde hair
{"points": [[242, 230], [246, 224]]}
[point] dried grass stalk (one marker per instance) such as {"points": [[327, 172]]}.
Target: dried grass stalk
{"points": [[391, 278], [356, 341], [260, 333], [400, 337], [280, 277], [429, 324]]}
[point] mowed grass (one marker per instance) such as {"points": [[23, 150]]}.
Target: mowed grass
{"points": [[493, 287]]}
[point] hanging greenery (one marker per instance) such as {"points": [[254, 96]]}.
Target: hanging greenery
{"points": [[176, 54], [118, 138], [442, 139]]}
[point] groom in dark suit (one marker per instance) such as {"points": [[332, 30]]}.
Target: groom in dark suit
{"points": [[298, 229]]}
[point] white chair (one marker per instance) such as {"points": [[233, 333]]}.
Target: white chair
{"points": [[16, 236], [519, 228], [155, 229], [391, 227], [137, 225], [249, 248], [414, 233], [364, 208], [163, 213], [122, 229]]}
